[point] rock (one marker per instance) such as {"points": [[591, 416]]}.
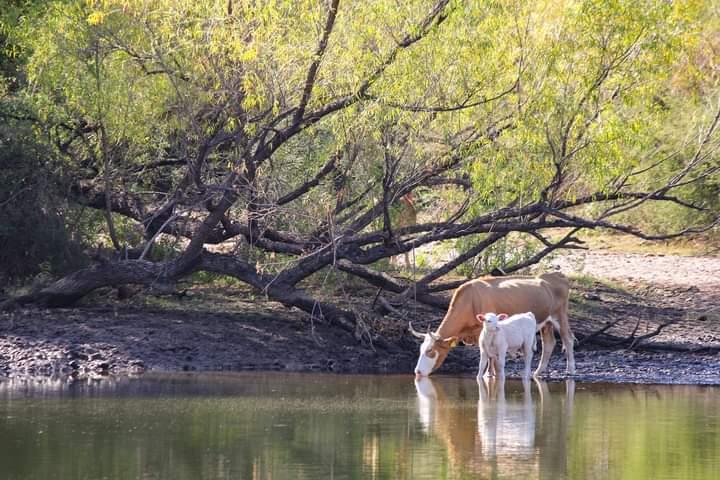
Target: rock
{"points": [[74, 354], [101, 366]]}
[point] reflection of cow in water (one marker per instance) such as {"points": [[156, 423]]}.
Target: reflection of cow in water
{"points": [[449, 418], [500, 435]]}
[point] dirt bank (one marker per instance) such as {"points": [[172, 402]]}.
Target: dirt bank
{"points": [[212, 329]]}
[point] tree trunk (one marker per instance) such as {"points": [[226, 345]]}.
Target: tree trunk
{"points": [[67, 291]]}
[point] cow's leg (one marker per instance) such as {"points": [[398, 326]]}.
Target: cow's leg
{"points": [[568, 340], [548, 345]]}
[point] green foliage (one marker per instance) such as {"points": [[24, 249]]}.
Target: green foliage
{"points": [[505, 252], [34, 234], [513, 92]]}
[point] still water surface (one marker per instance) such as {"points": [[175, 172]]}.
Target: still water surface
{"points": [[274, 426]]}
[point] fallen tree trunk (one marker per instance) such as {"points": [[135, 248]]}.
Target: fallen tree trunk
{"points": [[67, 291]]}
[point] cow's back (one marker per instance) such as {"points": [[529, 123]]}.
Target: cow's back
{"points": [[512, 295], [559, 286]]}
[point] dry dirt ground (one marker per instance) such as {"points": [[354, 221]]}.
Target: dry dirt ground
{"points": [[650, 319], [679, 295]]}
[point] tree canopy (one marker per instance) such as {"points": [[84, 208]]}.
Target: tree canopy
{"points": [[272, 140]]}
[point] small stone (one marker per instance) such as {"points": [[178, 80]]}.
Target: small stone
{"points": [[101, 366]]}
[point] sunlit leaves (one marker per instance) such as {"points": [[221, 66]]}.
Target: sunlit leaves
{"points": [[95, 18], [515, 90]]}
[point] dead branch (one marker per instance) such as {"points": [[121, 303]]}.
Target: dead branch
{"points": [[598, 332], [632, 334], [654, 333]]}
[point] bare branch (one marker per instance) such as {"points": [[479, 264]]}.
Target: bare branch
{"points": [[472, 252], [305, 187], [464, 105], [436, 16], [380, 279], [317, 58]]}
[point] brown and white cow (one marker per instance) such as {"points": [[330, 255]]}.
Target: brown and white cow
{"points": [[545, 296]]}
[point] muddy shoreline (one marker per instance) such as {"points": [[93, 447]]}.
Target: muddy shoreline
{"points": [[229, 329]]}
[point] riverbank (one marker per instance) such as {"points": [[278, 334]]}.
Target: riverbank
{"points": [[630, 330]]}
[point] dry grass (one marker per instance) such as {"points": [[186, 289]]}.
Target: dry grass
{"points": [[695, 246]]}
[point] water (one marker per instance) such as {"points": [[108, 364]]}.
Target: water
{"points": [[274, 426]]}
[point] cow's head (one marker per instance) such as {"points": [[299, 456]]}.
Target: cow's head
{"points": [[490, 320], [433, 351]]}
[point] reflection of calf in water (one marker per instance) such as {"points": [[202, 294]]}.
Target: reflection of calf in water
{"points": [[505, 427], [507, 434]]}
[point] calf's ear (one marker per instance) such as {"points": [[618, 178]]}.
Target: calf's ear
{"points": [[480, 317], [502, 316]]}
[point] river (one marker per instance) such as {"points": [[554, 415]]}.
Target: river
{"points": [[303, 426]]}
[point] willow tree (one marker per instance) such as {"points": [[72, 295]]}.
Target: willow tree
{"points": [[290, 129]]}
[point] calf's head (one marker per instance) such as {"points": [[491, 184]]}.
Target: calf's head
{"points": [[490, 320], [433, 351]]}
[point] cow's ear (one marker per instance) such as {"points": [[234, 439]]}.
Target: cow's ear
{"points": [[480, 317], [502, 316], [452, 341]]}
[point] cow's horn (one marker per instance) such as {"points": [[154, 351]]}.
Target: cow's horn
{"points": [[415, 332]]}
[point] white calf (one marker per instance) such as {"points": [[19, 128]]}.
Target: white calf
{"points": [[501, 334]]}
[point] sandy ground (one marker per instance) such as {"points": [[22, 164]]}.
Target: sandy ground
{"points": [[687, 286], [212, 329]]}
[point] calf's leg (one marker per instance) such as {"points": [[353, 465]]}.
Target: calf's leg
{"points": [[484, 358], [528, 347], [500, 363]]}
